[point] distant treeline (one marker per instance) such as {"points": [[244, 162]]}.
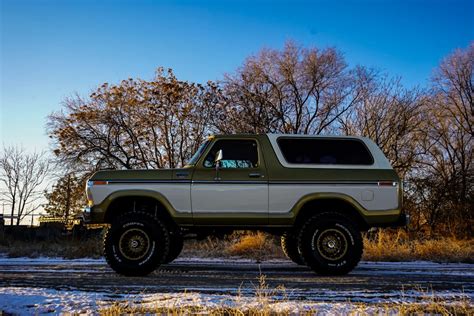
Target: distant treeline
{"points": [[426, 132], [53, 233]]}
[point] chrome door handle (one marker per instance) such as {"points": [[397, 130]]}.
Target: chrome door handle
{"points": [[255, 175]]}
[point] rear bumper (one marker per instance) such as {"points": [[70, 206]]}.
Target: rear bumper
{"points": [[399, 220], [403, 220]]}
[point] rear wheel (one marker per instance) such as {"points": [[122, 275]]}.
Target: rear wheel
{"points": [[330, 244], [136, 244], [289, 245]]}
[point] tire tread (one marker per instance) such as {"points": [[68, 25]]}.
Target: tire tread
{"points": [[165, 245], [313, 264]]}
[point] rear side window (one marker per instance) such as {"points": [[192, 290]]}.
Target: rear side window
{"points": [[325, 151], [236, 154]]}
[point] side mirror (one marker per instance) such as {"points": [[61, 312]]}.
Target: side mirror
{"points": [[219, 157], [217, 160]]}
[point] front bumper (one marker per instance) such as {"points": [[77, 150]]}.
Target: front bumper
{"points": [[86, 215]]}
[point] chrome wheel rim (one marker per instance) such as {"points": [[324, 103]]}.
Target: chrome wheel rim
{"points": [[332, 244], [134, 244]]}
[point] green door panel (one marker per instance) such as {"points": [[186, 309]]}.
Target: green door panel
{"points": [[209, 187]]}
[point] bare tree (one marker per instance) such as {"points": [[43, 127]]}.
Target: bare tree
{"points": [[296, 90], [446, 176], [443, 185], [451, 140], [22, 175], [390, 115], [136, 124], [454, 87], [10, 166]]}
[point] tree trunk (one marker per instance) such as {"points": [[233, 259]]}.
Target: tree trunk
{"points": [[68, 199], [13, 213]]}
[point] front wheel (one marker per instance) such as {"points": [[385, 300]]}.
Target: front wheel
{"points": [[330, 244], [136, 244]]}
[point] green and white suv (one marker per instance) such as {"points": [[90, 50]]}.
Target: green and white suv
{"points": [[317, 192]]}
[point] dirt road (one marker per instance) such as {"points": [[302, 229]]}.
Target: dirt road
{"points": [[369, 282]]}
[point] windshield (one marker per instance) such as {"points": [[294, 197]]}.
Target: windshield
{"points": [[198, 153]]}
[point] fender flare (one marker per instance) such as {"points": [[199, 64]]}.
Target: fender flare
{"points": [[321, 196], [178, 217]]}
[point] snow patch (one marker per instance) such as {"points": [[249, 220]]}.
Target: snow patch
{"points": [[49, 260], [28, 301]]}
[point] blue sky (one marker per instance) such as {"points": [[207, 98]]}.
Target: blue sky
{"points": [[52, 49]]}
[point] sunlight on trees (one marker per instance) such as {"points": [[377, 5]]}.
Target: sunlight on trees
{"points": [[426, 133], [66, 198], [135, 124], [296, 90]]}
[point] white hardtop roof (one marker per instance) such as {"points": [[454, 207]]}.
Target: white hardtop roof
{"points": [[274, 135], [380, 161]]}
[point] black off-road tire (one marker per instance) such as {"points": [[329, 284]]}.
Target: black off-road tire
{"points": [[330, 244], [289, 245], [176, 246], [136, 244]]}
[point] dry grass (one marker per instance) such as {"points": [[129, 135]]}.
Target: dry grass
{"points": [[194, 310], [385, 245], [255, 245], [266, 300], [441, 309], [251, 245], [69, 249], [397, 246], [435, 308]]}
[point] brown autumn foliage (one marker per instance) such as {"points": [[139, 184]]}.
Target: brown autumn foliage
{"points": [[66, 198], [426, 133], [135, 124]]}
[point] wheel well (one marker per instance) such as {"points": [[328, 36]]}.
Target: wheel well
{"points": [[313, 207], [126, 204]]}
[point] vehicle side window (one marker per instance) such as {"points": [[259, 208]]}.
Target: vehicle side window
{"points": [[236, 154], [325, 151]]}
